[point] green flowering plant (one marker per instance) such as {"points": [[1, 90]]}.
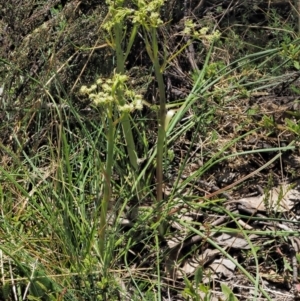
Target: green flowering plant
{"points": [[143, 14], [112, 94], [124, 20]]}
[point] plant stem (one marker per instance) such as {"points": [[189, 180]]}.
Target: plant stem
{"points": [[125, 118], [107, 182], [153, 53]]}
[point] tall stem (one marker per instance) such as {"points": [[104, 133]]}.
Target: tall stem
{"points": [[161, 124], [125, 120], [107, 182]]}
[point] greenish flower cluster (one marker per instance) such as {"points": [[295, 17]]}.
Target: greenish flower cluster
{"points": [[202, 34], [146, 13], [114, 91], [116, 16]]}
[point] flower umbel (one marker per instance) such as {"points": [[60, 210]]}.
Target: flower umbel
{"points": [[109, 91], [201, 34]]}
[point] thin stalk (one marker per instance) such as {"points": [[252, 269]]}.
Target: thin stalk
{"points": [[107, 182], [125, 117], [158, 267], [119, 49], [153, 53]]}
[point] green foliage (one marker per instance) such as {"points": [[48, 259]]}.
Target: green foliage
{"points": [[214, 69], [70, 179], [293, 126], [196, 290], [228, 293], [291, 52]]}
